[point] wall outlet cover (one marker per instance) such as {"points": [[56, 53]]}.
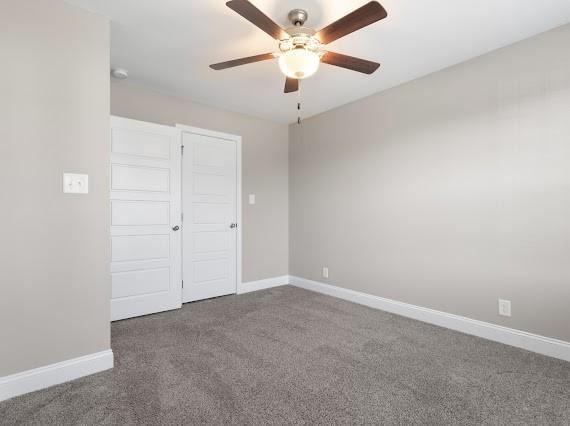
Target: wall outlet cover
{"points": [[504, 308], [325, 272]]}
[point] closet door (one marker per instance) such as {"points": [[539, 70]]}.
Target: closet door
{"points": [[145, 218], [210, 193]]}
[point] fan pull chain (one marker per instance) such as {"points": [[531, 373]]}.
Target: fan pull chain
{"points": [[299, 104]]}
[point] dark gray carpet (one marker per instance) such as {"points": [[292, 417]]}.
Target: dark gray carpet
{"points": [[289, 356]]}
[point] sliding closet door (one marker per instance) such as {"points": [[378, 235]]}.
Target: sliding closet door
{"points": [[145, 218]]}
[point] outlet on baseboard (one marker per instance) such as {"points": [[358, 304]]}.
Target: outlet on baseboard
{"points": [[325, 272], [504, 308]]}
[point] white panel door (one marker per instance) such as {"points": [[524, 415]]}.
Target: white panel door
{"points": [[145, 218], [209, 205]]}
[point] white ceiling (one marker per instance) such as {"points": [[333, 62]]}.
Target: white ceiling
{"points": [[168, 45]]}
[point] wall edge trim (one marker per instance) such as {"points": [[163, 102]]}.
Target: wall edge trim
{"points": [[60, 372], [521, 339]]}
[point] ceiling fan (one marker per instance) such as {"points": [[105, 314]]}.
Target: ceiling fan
{"points": [[301, 49]]}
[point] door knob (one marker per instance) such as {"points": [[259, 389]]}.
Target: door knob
{"points": [[175, 228], [233, 225]]}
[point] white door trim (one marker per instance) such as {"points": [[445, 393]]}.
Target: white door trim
{"points": [[237, 139]]}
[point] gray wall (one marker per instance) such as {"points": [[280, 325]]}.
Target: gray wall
{"points": [[54, 117], [447, 192], [264, 168]]}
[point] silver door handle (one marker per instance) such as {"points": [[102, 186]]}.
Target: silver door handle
{"points": [[233, 225], [175, 228]]}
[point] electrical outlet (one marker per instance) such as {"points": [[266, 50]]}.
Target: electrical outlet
{"points": [[325, 272], [251, 198], [504, 308]]}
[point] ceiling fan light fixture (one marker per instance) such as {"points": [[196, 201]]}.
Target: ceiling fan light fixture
{"points": [[299, 63], [301, 48]]}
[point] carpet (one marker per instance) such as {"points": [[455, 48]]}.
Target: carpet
{"points": [[291, 356]]}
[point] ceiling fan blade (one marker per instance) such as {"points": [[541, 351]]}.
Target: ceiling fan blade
{"points": [[257, 18], [350, 62], [291, 85], [360, 18], [242, 61]]}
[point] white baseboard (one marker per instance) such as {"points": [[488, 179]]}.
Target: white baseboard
{"points": [[263, 284], [54, 374], [520, 339]]}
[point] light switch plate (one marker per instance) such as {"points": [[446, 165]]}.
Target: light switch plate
{"points": [[74, 183], [325, 272], [251, 198]]}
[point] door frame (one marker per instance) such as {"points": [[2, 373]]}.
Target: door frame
{"points": [[237, 140]]}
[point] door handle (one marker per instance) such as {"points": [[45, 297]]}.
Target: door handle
{"points": [[175, 228], [233, 225]]}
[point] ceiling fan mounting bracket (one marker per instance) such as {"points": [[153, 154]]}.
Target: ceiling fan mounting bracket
{"points": [[298, 17]]}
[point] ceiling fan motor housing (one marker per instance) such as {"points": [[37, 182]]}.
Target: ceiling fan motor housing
{"points": [[299, 35], [302, 41]]}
